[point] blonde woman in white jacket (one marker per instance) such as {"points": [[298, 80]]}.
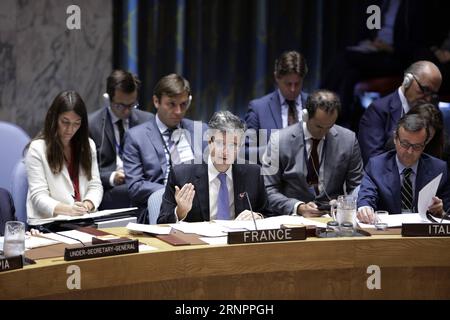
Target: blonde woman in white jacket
{"points": [[63, 175]]}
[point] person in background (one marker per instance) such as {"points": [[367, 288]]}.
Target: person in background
{"points": [[107, 127], [315, 160], [168, 139], [7, 210], [61, 164], [421, 84]]}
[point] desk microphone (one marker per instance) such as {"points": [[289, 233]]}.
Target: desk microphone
{"points": [[445, 215], [241, 196], [59, 234]]}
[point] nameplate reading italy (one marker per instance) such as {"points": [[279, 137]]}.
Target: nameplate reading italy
{"points": [[101, 250], [271, 235], [425, 230], [11, 263]]}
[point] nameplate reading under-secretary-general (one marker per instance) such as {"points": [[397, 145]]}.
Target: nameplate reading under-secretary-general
{"points": [[101, 250], [272, 235], [425, 230]]}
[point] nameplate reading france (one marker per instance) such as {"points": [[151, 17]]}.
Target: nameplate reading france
{"points": [[11, 263], [101, 250], [272, 235], [425, 230]]}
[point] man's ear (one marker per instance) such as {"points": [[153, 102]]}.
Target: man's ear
{"points": [[155, 101]]}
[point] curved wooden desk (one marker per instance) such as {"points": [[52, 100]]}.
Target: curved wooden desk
{"points": [[411, 268]]}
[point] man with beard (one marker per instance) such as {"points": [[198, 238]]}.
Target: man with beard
{"points": [[421, 84]]}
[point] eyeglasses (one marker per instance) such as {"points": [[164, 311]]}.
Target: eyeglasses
{"points": [[121, 106], [426, 90], [415, 146]]}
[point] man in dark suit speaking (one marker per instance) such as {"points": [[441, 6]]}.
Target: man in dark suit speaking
{"points": [[392, 180], [107, 127], [217, 189]]}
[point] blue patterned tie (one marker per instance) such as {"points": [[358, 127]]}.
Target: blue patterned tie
{"points": [[223, 203]]}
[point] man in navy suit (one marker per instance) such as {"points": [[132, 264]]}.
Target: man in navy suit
{"points": [[154, 147], [7, 211], [421, 83], [392, 180], [217, 189], [282, 107], [107, 127]]}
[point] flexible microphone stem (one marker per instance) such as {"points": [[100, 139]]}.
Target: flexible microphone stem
{"points": [[445, 215], [62, 235], [250, 206]]}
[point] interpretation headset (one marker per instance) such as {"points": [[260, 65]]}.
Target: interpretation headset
{"points": [[408, 80], [305, 115]]}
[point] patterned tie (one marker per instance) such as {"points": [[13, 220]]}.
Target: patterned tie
{"points": [[223, 203], [172, 147], [313, 166], [121, 134], [292, 112], [407, 191]]}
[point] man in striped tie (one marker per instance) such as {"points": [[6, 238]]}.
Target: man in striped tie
{"points": [[393, 180]]}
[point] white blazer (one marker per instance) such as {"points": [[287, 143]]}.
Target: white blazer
{"points": [[46, 190]]}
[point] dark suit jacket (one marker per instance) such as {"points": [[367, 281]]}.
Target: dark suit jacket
{"points": [[144, 159], [380, 187], [264, 113], [246, 178], [7, 210], [378, 124], [106, 151]]}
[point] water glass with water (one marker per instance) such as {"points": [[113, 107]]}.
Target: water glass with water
{"points": [[14, 241]]}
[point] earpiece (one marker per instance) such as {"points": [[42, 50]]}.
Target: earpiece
{"points": [[106, 100], [407, 80], [305, 115], [189, 102]]}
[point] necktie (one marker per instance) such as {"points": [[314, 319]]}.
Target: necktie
{"points": [[172, 147], [223, 203], [313, 165], [121, 134], [407, 191], [292, 112]]}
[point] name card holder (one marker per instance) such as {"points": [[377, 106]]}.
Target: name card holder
{"points": [[271, 235], [11, 263], [425, 230], [101, 250]]}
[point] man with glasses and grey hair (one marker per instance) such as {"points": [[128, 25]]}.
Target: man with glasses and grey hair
{"points": [[153, 148], [421, 84], [393, 180], [220, 188], [107, 128]]}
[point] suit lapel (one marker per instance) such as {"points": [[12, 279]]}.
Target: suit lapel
{"points": [[330, 146], [201, 181], [275, 109], [154, 136], [240, 204], [393, 183], [109, 131]]}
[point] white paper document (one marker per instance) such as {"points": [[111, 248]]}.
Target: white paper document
{"points": [[216, 240], [148, 228], [36, 242], [205, 229], [426, 196], [97, 214]]}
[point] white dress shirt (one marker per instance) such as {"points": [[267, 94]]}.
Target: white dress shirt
{"points": [[308, 146], [126, 126], [214, 186]]}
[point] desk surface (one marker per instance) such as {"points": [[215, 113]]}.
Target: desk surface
{"points": [[411, 268]]}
